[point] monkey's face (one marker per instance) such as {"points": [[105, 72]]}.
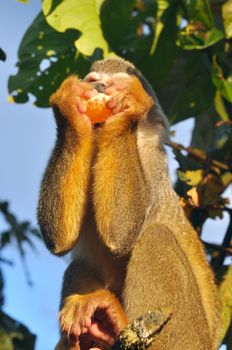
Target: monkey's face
{"points": [[107, 82]]}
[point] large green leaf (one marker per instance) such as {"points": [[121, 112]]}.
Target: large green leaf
{"points": [[123, 25], [227, 17], [116, 21], [82, 15], [201, 139], [220, 106], [46, 57], [187, 91], [156, 67], [162, 6], [223, 84]]}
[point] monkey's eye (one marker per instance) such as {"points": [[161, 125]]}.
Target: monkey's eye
{"points": [[90, 80]]}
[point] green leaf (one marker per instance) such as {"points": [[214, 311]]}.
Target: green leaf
{"points": [[227, 18], [117, 23], [192, 89], [46, 57], [123, 26], [6, 342], [2, 55], [200, 31], [162, 6], [224, 85], [199, 10], [196, 36], [14, 335], [201, 139], [82, 15], [156, 67], [220, 106], [24, 1], [191, 177]]}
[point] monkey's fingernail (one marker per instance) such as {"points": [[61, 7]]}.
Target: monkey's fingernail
{"points": [[81, 107], [88, 322], [111, 104]]}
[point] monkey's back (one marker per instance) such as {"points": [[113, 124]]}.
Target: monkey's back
{"points": [[159, 275]]}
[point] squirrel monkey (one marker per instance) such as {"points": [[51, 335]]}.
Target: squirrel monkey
{"points": [[107, 195]]}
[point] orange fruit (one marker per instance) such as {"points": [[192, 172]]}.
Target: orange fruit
{"points": [[97, 111]]}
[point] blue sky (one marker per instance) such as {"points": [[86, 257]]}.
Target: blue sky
{"points": [[27, 136]]}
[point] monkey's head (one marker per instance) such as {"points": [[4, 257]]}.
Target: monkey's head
{"points": [[104, 72]]}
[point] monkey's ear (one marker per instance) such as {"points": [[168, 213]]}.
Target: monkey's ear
{"points": [[134, 71]]}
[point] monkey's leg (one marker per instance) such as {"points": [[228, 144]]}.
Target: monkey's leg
{"points": [[65, 183], [159, 275], [89, 313], [121, 195]]}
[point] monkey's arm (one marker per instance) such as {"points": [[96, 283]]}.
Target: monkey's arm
{"points": [[121, 195], [65, 183]]}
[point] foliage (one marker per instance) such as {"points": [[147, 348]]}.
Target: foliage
{"points": [[184, 48], [2, 55], [13, 335], [17, 233]]}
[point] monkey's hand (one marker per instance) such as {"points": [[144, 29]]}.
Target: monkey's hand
{"points": [[129, 102], [97, 316], [69, 104]]}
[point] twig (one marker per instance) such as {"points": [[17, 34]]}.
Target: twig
{"points": [[202, 157], [227, 250], [142, 332]]}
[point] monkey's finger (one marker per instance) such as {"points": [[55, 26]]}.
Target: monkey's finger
{"points": [[84, 329], [121, 86], [81, 106], [111, 90], [116, 88], [112, 103], [101, 333], [116, 102], [76, 329], [118, 108]]}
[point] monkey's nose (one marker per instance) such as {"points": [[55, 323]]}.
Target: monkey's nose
{"points": [[100, 87]]}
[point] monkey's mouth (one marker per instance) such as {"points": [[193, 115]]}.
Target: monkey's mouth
{"points": [[98, 125]]}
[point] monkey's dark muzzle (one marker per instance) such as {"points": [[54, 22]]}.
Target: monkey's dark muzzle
{"points": [[100, 87]]}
